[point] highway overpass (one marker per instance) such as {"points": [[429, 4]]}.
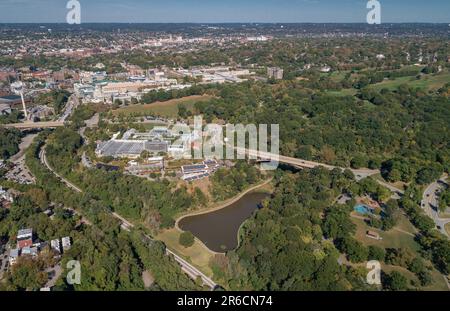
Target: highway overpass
{"points": [[34, 125], [359, 173]]}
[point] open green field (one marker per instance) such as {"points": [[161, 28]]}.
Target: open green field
{"points": [[197, 254], [391, 239], [335, 75], [429, 82], [166, 109]]}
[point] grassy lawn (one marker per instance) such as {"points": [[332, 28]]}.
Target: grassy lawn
{"points": [[197, 254], [431, 82], [405, 225], [391, 239], [167, 109], [438, 283], [399, 184], [336, 76]]}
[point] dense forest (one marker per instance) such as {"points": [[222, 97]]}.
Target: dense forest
{"points": [[296, 240], [111, 259], [403, 132], [227, 183], [9, 142], [282, 246]]}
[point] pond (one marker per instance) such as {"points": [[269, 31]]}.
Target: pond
{"points": [[218, 230]]}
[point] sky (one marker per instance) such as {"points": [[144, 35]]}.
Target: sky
{"points": [[220, 11]]}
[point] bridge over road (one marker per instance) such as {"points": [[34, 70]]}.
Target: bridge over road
{"points": [[359, 173], [34, 125]]}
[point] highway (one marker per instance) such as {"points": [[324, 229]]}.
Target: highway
{"points": [[126, 225], [34, 125], [72, 103]]}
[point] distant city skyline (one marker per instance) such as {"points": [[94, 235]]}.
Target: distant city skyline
{"points": [[212, 11]]}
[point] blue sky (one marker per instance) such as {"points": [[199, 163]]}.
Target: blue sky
{"points": [[157, 11]]}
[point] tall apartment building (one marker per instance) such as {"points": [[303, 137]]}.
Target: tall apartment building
{"points": [[275, 73]]}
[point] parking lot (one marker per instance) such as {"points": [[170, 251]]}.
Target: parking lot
{"points": [[20, 173]]}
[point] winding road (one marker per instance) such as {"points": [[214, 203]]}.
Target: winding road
{"points": [[430, 204]]}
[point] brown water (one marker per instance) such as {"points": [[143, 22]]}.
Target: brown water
{"points": [[218, 230]]}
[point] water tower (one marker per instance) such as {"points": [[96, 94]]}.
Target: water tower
{"points": [[17, 88]]}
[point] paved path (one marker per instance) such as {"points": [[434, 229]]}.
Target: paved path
{"points": [[44, 161], [20, 172], [72, 103], [58, 271]]}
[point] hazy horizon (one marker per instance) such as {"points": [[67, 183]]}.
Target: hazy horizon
{"points": [[229, 23], [231, 11]]}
